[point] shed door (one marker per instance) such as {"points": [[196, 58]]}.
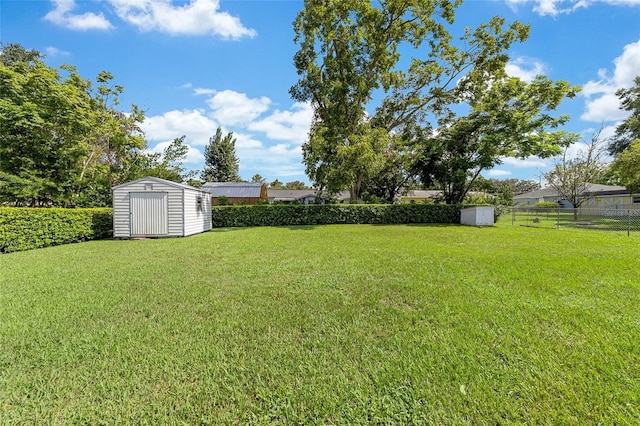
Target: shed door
{"points": [[149, 213]]}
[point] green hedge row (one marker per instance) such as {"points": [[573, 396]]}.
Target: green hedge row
{"points": [[324, 214], [26, 228]]}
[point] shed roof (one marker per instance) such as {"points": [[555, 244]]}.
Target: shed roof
{"points": [[158, 180], [234, 189]]}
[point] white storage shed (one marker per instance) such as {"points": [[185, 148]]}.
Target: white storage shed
{"points": [[477, 216], [154, 207]]}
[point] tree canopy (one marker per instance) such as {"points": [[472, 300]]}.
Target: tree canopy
{"points": [[625, 144], [64, 140], [449, 106], [221, 162], [168, 165], [629, 130], [627, 166], [44, 123], [507, 119], [571, 175]]}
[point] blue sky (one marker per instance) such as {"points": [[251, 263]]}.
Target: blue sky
{"points": [[198, 64]]}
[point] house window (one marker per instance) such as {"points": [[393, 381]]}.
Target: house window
{"points": [[636, 199], [199, 205]]}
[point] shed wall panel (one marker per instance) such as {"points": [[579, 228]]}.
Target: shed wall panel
{"points": [[121, 214], [196, 219], [176, 218]]}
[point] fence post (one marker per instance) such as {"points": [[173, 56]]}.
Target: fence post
{"points": [[629, 223]]}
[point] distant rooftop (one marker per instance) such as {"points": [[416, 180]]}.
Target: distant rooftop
{"points": [[233, 189], [589, 189]]}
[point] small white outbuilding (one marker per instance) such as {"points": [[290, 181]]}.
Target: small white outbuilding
{"points": [[154, 207], [477, 216]]}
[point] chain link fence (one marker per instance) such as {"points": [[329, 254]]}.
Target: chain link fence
{"points": [[584, 218]]}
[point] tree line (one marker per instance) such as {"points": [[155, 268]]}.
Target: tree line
{"points": [[64, 140], [437, 119]]}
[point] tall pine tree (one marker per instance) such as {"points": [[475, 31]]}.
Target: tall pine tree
{"points": [[221, 163]]}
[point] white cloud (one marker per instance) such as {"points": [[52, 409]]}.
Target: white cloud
{"points": [[203, 91], [292, 125], [52, 52], [233, 108], [193, 123], [498, 173], [527, 163], [550, 7], [524, 68], [194, 156], [198, 17], [602, 104], [284, 149], [258, 143], [607, 132], [556, 7], [62, 16]]}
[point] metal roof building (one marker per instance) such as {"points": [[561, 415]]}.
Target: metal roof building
{"points": [[237, 192]]}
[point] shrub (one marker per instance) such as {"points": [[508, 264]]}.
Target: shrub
{"points": [[29, 228], [224, 201], [325, 214]]}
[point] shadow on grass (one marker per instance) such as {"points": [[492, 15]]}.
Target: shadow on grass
{"points": [[243, 228], [312, 227]]}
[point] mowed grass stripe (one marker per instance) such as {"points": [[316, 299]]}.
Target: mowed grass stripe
{"points": [[332, 324]]}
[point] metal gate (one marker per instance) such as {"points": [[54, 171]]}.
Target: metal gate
{"points": [[149, 212]]}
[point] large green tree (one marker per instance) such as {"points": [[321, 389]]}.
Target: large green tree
{"points": [[257, 178], [625, 144], [221, 162], [169, 164], [494, 185], [626, 166], [629, 130], [116, 144], [508, 118], [44, 120], [295, 185], [392, 172], [14, 52], [62, 141], [349, 52], [276, 184]]}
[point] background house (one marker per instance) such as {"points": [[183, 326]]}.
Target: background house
{"points": [[542, 195], [594, 195], [288, 196], [419, 196], [305, 196], [236, 192]]}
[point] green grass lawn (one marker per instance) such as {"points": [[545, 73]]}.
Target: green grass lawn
{"points": [[325, 325]]}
